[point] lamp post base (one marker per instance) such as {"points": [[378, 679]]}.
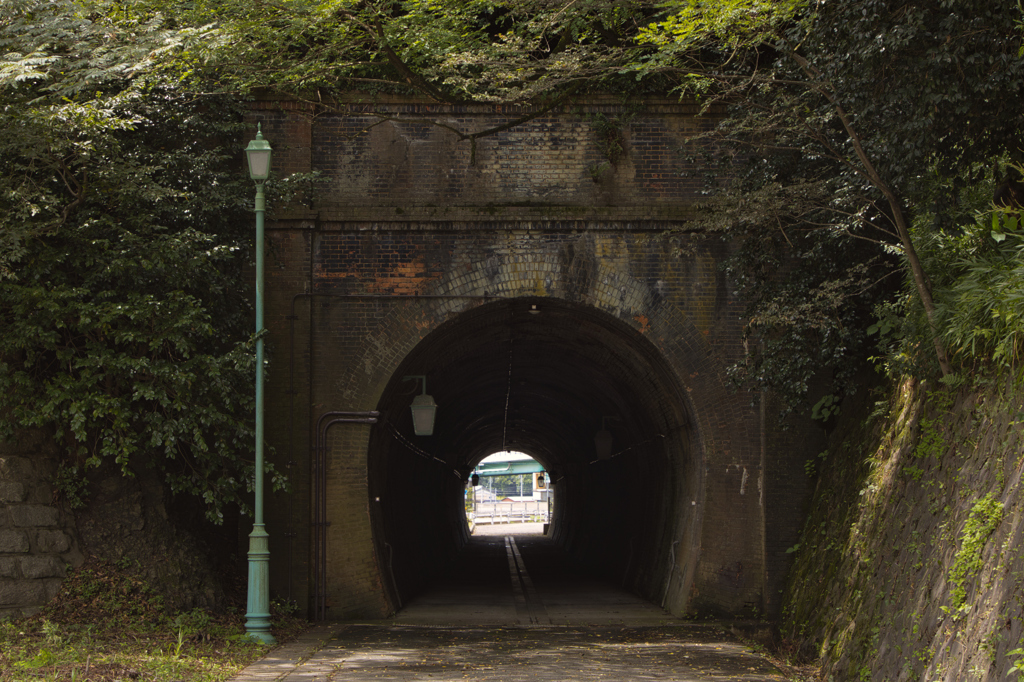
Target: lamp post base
{"points": [[257, 623]]}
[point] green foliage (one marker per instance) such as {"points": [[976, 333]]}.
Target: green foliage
{"points": [[915, 472], [70, 486], [689, 26], [985, 516], [826, 408], [44, 658], [67, 72], [896, 356], [977, 279], [125, 328], [609, 133], [447, 50], [982, 311], [811, 465], [807, 319], [107, 621], [931, 442], [874, 104], [192, 622], [1018, 665]]}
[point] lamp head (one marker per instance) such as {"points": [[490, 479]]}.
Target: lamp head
{"points": [[603, 444], [258, 155], [423, 411]]}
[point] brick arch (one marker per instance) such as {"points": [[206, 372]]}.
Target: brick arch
{"points": [[405, 209], [675, 350]]}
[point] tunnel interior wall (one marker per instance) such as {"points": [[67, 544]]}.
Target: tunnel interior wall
{"points": [[510, 379], [407, 212]]}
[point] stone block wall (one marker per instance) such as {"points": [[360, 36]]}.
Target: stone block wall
{"points": [[915, 591], [37, 540]]}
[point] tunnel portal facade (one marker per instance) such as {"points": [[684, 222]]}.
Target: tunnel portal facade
{"points": [[544, 291]]}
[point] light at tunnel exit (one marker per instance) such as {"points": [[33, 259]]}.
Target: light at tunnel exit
{"points": [[508, 487]]}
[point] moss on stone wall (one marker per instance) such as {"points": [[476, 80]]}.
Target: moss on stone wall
{"points": [[910, 566]]}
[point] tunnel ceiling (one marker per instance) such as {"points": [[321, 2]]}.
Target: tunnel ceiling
{"points": [[506, 378]]}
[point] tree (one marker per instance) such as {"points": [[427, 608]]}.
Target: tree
{"points": [[446, 50], [125, 230], [123, 225], [864, 102], [838, 111]]}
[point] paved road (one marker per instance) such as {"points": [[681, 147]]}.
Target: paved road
{"points": [[516, 609]]}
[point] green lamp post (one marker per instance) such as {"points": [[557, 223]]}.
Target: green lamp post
{"points": [[257, 623]]}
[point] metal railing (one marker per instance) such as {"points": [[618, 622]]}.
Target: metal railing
{"points": [[527, 511]]}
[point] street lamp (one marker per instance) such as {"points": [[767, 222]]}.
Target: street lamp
{"points": [[257, 623], [603, 440], [424, 409]]}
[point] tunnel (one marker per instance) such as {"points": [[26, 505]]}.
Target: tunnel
{"points": [[542, 376]]}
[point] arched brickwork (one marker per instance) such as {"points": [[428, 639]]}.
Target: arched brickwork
{"points": [[409, 263], [541, 381]]}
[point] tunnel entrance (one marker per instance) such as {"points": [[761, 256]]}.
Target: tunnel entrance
{"points": [[590, 398]]}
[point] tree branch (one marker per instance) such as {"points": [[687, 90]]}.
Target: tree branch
{"points": [[898, 217], [410, 76]]}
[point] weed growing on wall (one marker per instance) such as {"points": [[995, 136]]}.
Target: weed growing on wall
{"points": [[70, 486], [1017, 668], [985, 516], [932, 441]]}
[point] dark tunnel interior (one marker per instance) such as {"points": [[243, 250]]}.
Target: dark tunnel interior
{"points": [[537, 375]]}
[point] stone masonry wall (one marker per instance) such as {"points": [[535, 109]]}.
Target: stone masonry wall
{"points": [[37, 542], [915, 539]]}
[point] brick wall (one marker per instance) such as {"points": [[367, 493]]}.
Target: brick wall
{"points": [[415, 256]]}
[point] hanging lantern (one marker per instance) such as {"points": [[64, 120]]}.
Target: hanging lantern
{"points": [[603, 444], [424, 410], [603, 440]]}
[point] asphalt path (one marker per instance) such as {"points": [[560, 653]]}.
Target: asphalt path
{"points": [[516, 608]]}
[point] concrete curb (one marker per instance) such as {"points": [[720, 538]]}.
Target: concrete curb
{"points": [[281, 661]]}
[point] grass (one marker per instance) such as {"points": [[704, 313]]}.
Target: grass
{"points": [[108, 624]]}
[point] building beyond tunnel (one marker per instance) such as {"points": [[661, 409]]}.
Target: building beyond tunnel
{"points": [[548, 290]]}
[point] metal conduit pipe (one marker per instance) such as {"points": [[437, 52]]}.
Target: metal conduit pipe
{"points": [[292, 318]]}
